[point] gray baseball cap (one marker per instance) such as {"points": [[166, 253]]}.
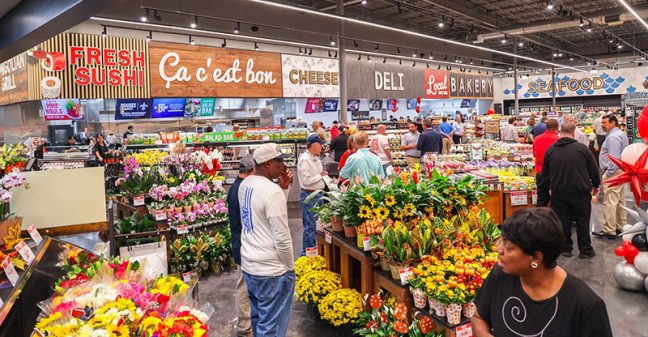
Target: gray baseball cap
{"points": [[247, 163]]}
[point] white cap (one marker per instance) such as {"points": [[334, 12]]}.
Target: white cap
{"points": [[267, 152]]}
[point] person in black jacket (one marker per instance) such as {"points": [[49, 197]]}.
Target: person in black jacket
{"points": [[571, 174], [339, 144], [430, 141]]}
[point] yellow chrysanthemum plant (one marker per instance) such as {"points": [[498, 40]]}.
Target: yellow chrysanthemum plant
{"points": [[314, 286], [305, 265], [340, 307]]}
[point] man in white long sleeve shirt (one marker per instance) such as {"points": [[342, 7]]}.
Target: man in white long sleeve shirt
{"points": [[311, 178], [267, 257], [579, 135]]}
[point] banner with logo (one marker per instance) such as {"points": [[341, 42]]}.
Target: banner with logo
{"points": [[180, 69], [89, 66], [199, 107], [437, 83], [168, 107], [582, 84], [13, 80], [133, 108], [62, 109], [304, 76]]}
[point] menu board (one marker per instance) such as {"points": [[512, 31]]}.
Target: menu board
{"points": [[330, 105], [199, 107], [133, 108], [168, 107], [62, 109]]}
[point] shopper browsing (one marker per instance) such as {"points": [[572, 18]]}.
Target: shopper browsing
{"points": [[335, 130], [540, 146], [100, 150], [570, 172], [540, 127], [579, 135], [267, 257], [339, 144], [430, 140], [446, 130], [509, 132], [458, 129], [599, 131], [380, 147], [528, 294], [408, 144], [613, 197], [319, 130], [246, 168], [363, 164], [129, 132], [311, 178], [528, 136], [351, 149]]}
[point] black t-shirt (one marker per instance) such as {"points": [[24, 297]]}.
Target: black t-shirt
{"points": [[102, 149], [338, 146], [127, 134], [575, 311]]}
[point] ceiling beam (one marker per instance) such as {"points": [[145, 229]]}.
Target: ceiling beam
{"points": [[473, 14]]}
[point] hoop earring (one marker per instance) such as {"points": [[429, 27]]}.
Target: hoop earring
{"points": [[534, 265]]}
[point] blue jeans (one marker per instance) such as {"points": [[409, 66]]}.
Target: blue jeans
{"points": [[309, 219], [270, 302]]}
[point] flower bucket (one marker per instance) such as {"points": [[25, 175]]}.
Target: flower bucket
{"points": [[187, 209], [419, 297], [178, 209], [359, 241], [469, 309], [453, 314], [216, 267], [349, 232], [383, 263], [336, 224], [436, 307], [395, 268]]}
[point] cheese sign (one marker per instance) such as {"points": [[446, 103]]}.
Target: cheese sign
{"points": [[10, 271], [519, 198], [25, 252], [304, 76], [35, 235]]}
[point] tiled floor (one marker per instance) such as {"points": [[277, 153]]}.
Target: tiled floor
{"points": [[627, 310]]}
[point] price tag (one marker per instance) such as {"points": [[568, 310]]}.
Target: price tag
{"points": [[366, 242], [491, 187], [25, 252], [186, 277], [534, 197], [465, 330], [311, 252], [35, 235], [160, 215], [10, 271], [182, 229], [329, 238], [499, 187], [406, 274], [519, 198], [138, 201]]}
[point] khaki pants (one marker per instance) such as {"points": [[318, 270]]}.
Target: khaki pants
{"points": [[615, 216], [244, 325], [411, 161], [447, 145]]}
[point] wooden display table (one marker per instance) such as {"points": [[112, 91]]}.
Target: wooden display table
{"points": [[125, 210], [463, 329], [517, 200], [493, 205], [384, 281], [344, 257]]}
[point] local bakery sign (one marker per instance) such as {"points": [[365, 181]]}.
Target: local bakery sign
{"points": [[446, 84], [178, 69], [74, 65], [310, 76], [13, 80]]}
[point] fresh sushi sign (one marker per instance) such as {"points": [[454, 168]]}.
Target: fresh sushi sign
{"points": [[577, 84]]}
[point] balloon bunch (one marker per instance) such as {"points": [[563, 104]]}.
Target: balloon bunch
{"points": [[394, 105], [418, 105], [631, 274]]}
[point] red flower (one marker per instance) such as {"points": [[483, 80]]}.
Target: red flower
{"points": [[415, 177], [400, 327], [426, 325], [375, 301], [383, 318], [372, 325], [400, 311]]}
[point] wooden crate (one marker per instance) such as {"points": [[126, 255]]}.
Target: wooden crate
{"points": [[493, 205], [510, 209]]}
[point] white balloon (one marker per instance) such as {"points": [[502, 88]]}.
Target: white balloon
{"points": [[632, 152], [626, 227], [628, 237], [641, 262]]}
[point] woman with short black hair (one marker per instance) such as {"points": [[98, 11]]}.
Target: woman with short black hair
{"points": [[528, 294]]}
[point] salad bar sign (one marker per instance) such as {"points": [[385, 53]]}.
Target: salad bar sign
{"points": [[177, 69]]}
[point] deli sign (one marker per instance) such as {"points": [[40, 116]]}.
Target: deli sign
{"points": [[178, 69]]}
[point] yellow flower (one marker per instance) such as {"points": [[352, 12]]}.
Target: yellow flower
{"points": [[409, 209], [381, 212], [370, 199], [365, 212], [390, 200], [341, 306], [305, 265]]}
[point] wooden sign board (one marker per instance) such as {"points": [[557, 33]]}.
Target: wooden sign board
{"points": [[13, 80], [492, 127], [179, 69]]}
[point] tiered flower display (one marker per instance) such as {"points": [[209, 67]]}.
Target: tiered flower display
{"points": [[112, 298], [341, 307], [314, 286], [199, 252]]}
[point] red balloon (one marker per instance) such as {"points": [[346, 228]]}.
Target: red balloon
{"points": [[418, 109], [632, 251], [642, 123], [627, 244], [620, 251], [394, 108], [490, 112], [418, 100]]}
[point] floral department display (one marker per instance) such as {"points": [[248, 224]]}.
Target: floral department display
{"points": [[100, 297], [12, 156], [202, 251], [8, 182]]}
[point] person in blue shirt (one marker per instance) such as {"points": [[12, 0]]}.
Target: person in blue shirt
{"points": [[363, 164], [446, 130], [430, 140], [540, 128], [246, 168]]}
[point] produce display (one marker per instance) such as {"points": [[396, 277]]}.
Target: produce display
{"points": [[101, 297]]}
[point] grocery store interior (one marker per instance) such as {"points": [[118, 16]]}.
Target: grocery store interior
{"points": [[434, 156]]}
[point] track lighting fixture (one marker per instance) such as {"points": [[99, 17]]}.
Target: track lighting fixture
{"points": [[414, 64], [144, 18], [377, 47], [550, 6], [384, 60], [149, 37], [194, 24], [224, 44], [104, 32], [310, 52], [331, 42], [237, 29], [256, 46], [589, 27], [359, 57], [442, 23], [191, 41], [355, 43]]}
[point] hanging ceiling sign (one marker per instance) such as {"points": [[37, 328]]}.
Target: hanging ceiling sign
{"points": [[13, 80], [437, 83], [381, 80], [466, 85], [179, 69], [72, 65], [310, 76], [609, 82]]}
